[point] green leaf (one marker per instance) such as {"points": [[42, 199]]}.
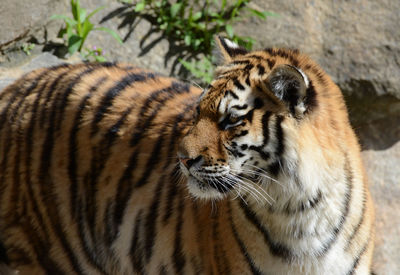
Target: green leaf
{"points": [[187, 39], [197, 42], [197, 16], [74, 43], [262, 14], [257, 13], [82, 15], [175, 9], [68, 20], [140, 6], [94, 12], [229, 30], [111, 32], [75, 8], [100, 58], [87, 27], [270, 13]]}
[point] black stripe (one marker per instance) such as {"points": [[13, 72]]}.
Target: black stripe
{"points": [[311, 97], [53, 89], [301, 207], [153, 160], [71, 84], [17, 94], [21, 96], [254, 269], [152, 215], [3, 254], [219, 253], [356, 261], [229, 92], [282, 53], [242, 133], [248, 67], [261, 69], [16, 191], [265, 120], [238, 85], [100, 155], [248, 81], [171, 195], [46, 188], [254, 56], [109, 223], [175, 88], [241, 62], [271, 63], [275, 248], [80, 209], [151, 221], [40, 245], [178, 257], [73, 147], [113, 92], [238, 107], [136, 251], [88, 242], [125, 186], [274, 168], [279, 136], [345, 211], [360, 222], [179, 124]]}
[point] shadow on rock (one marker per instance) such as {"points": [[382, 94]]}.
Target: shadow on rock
{"points": [[375, 118], [177, 50]]}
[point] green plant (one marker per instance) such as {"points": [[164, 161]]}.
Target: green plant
{"points": [[78, 27], [194, 24], [94, 54], [202, 69], [27, 47]]}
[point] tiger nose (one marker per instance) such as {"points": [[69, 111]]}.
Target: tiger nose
{"points": [[188, 162]]}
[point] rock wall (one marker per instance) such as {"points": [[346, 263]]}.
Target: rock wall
{"points": [[356, 41]]}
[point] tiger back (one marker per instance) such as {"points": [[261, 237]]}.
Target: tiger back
{"points": [[110, 169]]}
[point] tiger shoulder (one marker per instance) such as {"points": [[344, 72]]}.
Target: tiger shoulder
{"points": [[110, 169]]}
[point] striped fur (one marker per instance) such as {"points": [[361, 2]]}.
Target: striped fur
{"points": [[90, 181]]}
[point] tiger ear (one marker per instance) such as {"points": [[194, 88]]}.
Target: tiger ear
{"points": [[226, 50], [290, 85]]}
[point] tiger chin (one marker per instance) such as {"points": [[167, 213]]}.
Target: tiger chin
{"points": [[110, 169]]}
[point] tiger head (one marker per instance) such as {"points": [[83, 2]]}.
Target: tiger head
{"points": [[243, 119]]}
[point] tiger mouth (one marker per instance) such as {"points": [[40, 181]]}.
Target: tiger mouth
{"points": [[208, 189], [216, 183]]}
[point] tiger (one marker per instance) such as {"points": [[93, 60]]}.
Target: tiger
{"points": [[106, 168]]}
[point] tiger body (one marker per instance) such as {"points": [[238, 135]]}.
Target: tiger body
{"points": [[273, 182]]}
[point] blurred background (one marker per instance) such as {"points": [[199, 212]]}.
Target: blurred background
{"points": [[357, 42]]}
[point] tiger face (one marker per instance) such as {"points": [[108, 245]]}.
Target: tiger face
{"points": [[237, 142]]}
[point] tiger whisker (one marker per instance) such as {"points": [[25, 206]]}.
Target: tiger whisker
{"points": [[257, 186], [265, 175], [249, 188], [253, 187], [231, 183]]}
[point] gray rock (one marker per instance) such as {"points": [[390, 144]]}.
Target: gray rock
{"points": [[21, 18], [43, 60], [382, 168]]}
